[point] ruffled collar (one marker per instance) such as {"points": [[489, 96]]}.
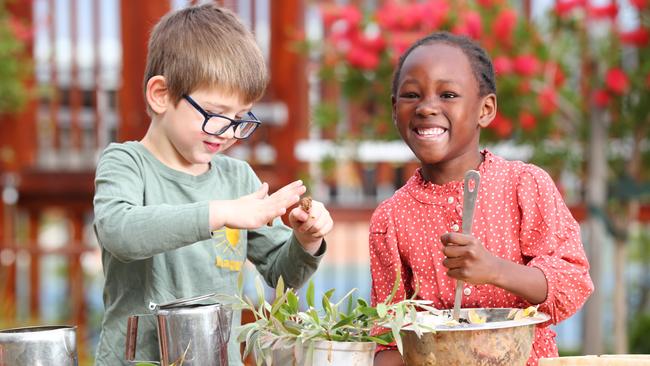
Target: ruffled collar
{"points": [[431, 193]]}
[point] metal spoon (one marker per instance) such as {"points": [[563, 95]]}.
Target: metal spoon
{"points": [[469, 203]]}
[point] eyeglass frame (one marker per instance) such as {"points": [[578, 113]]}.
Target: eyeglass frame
{"points": [[234, 123]]}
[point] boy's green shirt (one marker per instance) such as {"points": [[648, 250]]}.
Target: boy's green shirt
{"points": [[152, 225]]}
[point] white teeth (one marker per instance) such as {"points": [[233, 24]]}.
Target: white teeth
{"points": [[430, 131]]}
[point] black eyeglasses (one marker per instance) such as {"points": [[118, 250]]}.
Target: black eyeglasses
{"points": [[217, 124]]}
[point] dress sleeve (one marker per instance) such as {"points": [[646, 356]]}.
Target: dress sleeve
{"points": [[385, 261], [550, 240], [127, 228]]}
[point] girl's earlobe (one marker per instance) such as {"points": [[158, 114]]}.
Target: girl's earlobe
{"points": [[488, 110], [157, 94]]}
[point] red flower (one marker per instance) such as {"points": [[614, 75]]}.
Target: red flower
{"points": [[489, 3], [526, 65], [558, 74], [501, 125], [617, 81], [639, 4], [470, 25], [562, 8], [433, 14], [527, 121], [504, 25], [601, 98], [333, 13], [393, 16], [638, 37], [547, 100], [602, 12], [363, 59], [502, 65], [20, 30]]}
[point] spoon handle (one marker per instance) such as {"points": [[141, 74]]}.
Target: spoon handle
{"points": [[470, 194]]}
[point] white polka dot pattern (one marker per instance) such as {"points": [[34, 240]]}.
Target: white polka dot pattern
{"points": [[520, 216]]}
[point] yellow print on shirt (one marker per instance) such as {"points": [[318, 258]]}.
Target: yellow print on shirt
{"points": [[227, 241]]}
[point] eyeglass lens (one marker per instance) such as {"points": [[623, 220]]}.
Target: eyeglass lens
{"points": [[217, 125]]}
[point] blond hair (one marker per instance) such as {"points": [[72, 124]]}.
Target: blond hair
{"points": [[206, 46]]}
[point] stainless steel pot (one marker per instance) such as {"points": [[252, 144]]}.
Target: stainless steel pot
{"points": [[39, 346], [498, 342], [189, 333]]}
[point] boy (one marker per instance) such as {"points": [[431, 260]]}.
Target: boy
{"points": [[175, 218]]}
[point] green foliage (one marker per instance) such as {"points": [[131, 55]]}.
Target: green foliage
{"points": [[282, 325], [639, 340], [14, 62]]}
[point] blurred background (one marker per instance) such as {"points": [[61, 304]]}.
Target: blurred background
{"points": [[574, 97]]}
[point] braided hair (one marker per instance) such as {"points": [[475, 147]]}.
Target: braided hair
{"points": [[478, 58]]}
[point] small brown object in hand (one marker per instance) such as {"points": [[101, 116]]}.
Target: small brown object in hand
{"points": [[305, 204]]}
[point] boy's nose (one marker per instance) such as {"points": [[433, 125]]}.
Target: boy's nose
{"points": [[230, 132]]}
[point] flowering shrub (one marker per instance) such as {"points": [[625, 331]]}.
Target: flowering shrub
{"points": [[14, 61], [360, 51]]}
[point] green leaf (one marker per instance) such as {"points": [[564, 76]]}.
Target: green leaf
{"points": [[346, 320], [240, 282], [260, 290], [379, 340], [279, 288], [382, 310], [398, 279], [292, 327], [292, 302], [310, 294], [314, 315], [326, 305]]}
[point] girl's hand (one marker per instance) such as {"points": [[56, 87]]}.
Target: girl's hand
{"points": [[256, 209], [311, 225], [468, 260]]}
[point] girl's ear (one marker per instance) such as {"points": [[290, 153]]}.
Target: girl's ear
{"points": [[488, 110], [157, 94]]}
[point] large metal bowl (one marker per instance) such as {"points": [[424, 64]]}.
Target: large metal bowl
{"points": [[498, 342]]}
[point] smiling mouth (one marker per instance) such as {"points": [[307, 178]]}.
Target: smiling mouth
{"points": [[430, 131], [212, 147]]}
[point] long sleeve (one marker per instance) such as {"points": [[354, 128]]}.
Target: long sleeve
{"points": [[385, 259], [131, 230], [550, 241], [385, 262]]}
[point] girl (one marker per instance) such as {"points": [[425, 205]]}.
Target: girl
{"points": [[525, 246]]}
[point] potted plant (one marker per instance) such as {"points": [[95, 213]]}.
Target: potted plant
{"points": [[341, 333]]}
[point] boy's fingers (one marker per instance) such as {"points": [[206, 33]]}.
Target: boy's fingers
{"points": [[290, 188], [262, 191]]}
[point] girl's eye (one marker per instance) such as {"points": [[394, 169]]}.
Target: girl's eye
{"points": [[448, 95], [408, 95]]}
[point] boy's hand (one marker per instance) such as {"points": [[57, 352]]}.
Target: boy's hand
{"points": [[256, 209], [468, 260], [310, 224]]}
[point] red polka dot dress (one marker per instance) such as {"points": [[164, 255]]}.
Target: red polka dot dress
{"points": [[519, 216]]}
